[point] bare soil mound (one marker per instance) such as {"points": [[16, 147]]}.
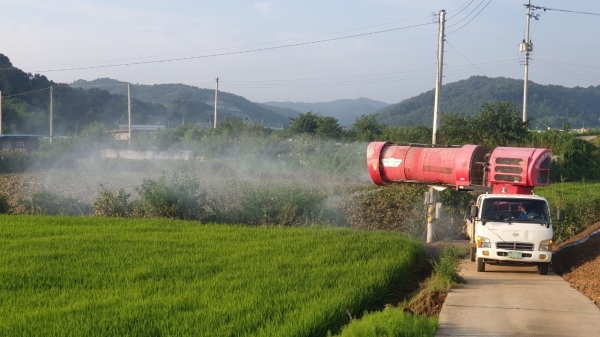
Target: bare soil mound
{"points": [[578, 261]]}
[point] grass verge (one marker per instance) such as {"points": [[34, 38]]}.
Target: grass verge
{"points": [[418, 316]]}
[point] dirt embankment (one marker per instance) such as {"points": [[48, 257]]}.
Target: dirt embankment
{"points": [[578, 261]]}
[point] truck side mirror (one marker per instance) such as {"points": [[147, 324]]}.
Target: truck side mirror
{"points": [[561, 215], [474, 211]]}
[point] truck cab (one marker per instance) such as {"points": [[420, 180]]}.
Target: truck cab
{"points": [[510, 229]]}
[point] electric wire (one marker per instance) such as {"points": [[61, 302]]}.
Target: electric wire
{"points": [[571, 72], [461, 54], [237, 52], [25, 93], [562, 10], [566, 73], [461, 27], [470, 2], [461, 20], [234, 47]]}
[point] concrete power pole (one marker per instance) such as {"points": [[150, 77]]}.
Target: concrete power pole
{"points": [[0, 112], [129, 109], [216, 101], [436, 125], [51, 100], [526, 47], [438, 82]]}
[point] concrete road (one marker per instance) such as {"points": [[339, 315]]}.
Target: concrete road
{"points": [[516, 301]]}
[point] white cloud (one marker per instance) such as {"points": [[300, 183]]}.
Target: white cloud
{"points": [[265, 8]]}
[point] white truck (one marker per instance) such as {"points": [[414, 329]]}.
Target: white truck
{"points": [[511, 229], [509, 224]]}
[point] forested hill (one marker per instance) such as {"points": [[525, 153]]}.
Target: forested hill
{"points": [[26, 104], [548, 105], [345, 110], [187, 99]]}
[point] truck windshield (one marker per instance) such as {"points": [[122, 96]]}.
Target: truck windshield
{"points": [[515, 209]]}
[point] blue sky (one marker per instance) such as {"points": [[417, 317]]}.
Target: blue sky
{"points": [[55, 38]]}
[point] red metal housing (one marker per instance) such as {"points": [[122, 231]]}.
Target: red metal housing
{"points": [[503, 169]]}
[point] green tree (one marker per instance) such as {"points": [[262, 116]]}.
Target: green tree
{"points": [[367, 128], [305, 123], [328, 127], [495, 124]]}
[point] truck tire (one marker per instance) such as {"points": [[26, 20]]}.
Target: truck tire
{"points": [[480, 265], [543, 268], [473, 253]]}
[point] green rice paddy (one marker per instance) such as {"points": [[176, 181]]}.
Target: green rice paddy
{"points": [[69, 276]]}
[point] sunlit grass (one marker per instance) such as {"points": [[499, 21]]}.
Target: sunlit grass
{"points": [[580, 200], [116, 277]]}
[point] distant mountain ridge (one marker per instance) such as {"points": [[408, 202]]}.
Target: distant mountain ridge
{"points": [[345, 110], [548, 105], [186, 97]]}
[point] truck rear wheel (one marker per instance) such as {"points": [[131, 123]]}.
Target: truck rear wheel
{"points": [[543, 268], [480, 265], [473, 253]]}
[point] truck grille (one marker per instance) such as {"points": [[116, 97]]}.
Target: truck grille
{"points": [[514, 245]]}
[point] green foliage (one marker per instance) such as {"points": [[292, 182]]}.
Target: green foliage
{"points": [[391, 322], [367, 128], [446, 270], [548, 105], [112, 205], [575, 159], [580, 200], [393, 208], [48, 203], [496, 124], [455, 205], [4, 205], [328, 127], [407, 134], [142, 277], [15, 161], [305, 123], [172, 196], [279, 205]]}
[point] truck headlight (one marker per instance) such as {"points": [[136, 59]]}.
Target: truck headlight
{"points": [[546, 245], [483, 242]]}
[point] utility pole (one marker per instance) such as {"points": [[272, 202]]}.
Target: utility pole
{"points": [[0, 112], [51, 100], [526, 47], [216, 101], [129, 109], [438, 82], [436, 125]]}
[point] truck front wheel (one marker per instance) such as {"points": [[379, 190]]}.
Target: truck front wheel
{"points": [[480, 265], [473, 253], [543, 268]]}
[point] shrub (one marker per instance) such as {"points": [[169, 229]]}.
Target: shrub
{"points": [[447, 269], [4, 205], [48, 203], [112, 205], [281, 205], [173, 196], [15, 161]]}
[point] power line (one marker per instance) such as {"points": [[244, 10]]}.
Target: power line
{"points": [[469, 4], [561, 10], [25, 93], [237, 52], [471, 19], [509, 95], [234, 47], [461, 20]]}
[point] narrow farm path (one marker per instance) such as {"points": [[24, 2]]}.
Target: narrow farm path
{"points": [[516, 301]]}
